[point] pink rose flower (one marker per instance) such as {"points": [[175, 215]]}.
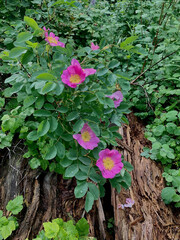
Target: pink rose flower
{"points": [[129, 203], [52, 39], [87, 139], [75, 75], [94, 47], [109, 163], [117, 97]]}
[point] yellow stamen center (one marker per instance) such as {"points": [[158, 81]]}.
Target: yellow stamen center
{"points": [[108, 163], [75, 78], [52, 40], [86, 136]]}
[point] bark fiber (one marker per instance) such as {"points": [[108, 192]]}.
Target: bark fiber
{"points": [[48, 196]]}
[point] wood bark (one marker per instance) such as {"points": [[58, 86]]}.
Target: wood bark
{"points": [[149, 218], [48, 196]]}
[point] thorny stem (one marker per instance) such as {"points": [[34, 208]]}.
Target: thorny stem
{"points": [[132, 82], [29, 75]]}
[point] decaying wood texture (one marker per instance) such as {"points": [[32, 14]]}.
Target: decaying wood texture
{"points": [[149, 218], [48, 196]]}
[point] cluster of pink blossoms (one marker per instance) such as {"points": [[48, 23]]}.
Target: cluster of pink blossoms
{"points": [[52, 39], [109, 161]]}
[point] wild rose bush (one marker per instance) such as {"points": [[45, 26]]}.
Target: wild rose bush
{"points": [[67, 104]]}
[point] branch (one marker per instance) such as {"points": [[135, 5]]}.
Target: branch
{"points": [[29, 75], [153, 66]]}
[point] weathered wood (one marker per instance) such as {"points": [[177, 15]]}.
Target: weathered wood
{"points": [[149, 218], [48, 196]]}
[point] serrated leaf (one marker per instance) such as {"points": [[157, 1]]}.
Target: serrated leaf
{"points": [[71, 170], [167, 194], [7, 230], [32, 136], [89, 201], [49, 86], [43, 128], [82, 227], [94, 190], [114, 63], [72, 116], [51, 229], [17, 52], [78, 126], [81, 189], [53, 124], [60, 150], [42, 113], [15, 205], [29, 100], [24, 36], [51, 153]]}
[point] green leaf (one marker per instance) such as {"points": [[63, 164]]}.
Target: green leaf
{"points": [[72, 116], [81, 189], [94, 190], [156, 145], [6, 230], [15, 205], [49, 86], [83, 227], [109, 102], [29, 100], [2, 102], [31, 22], [43, 128], [81, 175], [85, 160], [53, 124], [39, 102], [62, 109], [42, 113], [171, 116], [78, 126], [32, 136], [71, 170], [170, 155], [16, 52], [158, 131], [128, 166], [102, 72], [34, 163], [60, 150], [95, 128], [51, 153], [46, 76], [114, 63], [63, 2], [51, 229], [167, 194], [89, 201], [24, 36], [128, 41], [72, 154]]}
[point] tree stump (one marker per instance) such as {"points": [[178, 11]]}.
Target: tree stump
{"points": [[48, 196], [149, 218]]}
